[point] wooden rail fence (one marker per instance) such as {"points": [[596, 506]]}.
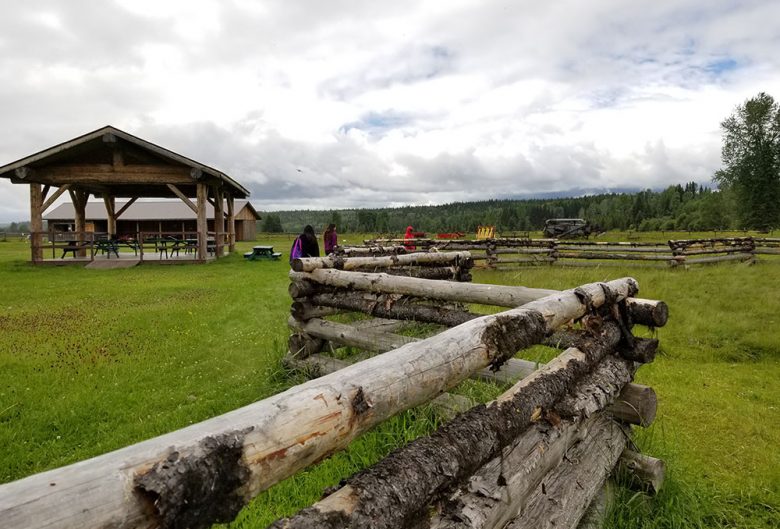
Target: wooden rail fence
{"points": [[530, 458], [503, 253], [540, 451]]}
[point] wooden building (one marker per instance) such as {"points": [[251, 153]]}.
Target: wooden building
{"points": [[161, 216], [108, 164]]}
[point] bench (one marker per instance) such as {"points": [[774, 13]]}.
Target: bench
{"points": [[73, 247], [262, 253]]}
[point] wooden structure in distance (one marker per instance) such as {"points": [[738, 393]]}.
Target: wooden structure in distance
{"points": [[109, 163]]}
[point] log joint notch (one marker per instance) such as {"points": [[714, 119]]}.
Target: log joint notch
{"points": [[197, 490]]}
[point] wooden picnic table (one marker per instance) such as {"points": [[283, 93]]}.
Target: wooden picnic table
{"points": [[262, 252]]}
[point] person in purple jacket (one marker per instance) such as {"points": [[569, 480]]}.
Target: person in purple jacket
{"points": [[330, 239]]}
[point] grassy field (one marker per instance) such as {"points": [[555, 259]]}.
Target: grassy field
{"points": [[93, 360]]}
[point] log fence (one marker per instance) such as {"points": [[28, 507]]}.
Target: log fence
{"points": [[516, 468], [509, 463], [503, 253]]}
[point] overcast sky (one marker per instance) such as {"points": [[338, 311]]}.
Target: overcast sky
{"points": [[333, 104]]}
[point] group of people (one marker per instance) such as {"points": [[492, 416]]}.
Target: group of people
{"points": [[306, 245]]}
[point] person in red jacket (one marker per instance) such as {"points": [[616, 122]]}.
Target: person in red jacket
{"points": [[408, 236]]}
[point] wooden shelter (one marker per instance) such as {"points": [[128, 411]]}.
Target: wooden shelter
{"points": [[108, 164], [159, 216]]}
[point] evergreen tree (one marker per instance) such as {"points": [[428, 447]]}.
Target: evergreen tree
{"points": [[751, 161]]}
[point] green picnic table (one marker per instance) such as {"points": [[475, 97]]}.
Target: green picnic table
{"points": [[262, 252]]}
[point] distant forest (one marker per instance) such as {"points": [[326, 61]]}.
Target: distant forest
{"points": [[688, 207]]}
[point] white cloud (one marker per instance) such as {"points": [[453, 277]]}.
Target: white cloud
{"points": [[340, 104]]}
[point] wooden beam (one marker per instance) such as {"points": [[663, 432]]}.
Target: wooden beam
{"points": [[176, 191], [127, 205], [55, 196], [45, 191], [109, 174]]}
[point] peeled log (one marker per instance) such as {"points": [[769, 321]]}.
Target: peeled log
{"points": [[309, 264], [267, 441], [398, 488], [499, 295], [565, 494]]}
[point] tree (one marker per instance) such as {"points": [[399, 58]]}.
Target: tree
{"points": [[751, 161], [272, 224]]}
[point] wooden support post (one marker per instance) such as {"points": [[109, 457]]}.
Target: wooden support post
{"points": [[231, 224], [79, 198], [36, 223], [219, 221], [203, 226], [110, 203]]}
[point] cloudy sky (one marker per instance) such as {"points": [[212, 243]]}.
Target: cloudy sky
{"points": [[331, 104]]}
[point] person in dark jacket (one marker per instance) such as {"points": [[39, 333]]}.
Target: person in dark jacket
{"points": [[330, 238], [309, 245]]}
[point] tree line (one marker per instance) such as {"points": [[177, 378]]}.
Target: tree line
{"points": [[678, 207]]}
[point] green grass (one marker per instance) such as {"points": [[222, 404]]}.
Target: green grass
{"points": [[93, 360]]}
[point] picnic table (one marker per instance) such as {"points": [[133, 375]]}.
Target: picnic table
{"points": [[262, 252]]}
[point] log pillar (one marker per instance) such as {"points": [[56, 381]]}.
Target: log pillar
{"points": [[79, 199], [110, 203], [219, 221], [203, 226], [231, 224], [36, 223]]}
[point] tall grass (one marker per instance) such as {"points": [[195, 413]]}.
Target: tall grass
{"points": [[93, 360]]}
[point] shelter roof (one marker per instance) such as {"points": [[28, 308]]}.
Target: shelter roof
{"points": [[109, 161], [141, 210]]}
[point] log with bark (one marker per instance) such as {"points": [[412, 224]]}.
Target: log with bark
{"points": [[636, 404], [308, 264]]}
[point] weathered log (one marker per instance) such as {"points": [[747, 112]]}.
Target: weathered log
{"points": [[229, 459], [500, 489], [363, 338], [664, 249], [636, 404], [563, 497], [644, 312], [596, 513], [648, 312], [398, 488], [718, 250], [452, 273], [390, 306], [485, 294], [309, 264], [301, 345], [303, 311], [598, 389], [721, 259], [615, 256], [644, 472], [526, 260]]}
